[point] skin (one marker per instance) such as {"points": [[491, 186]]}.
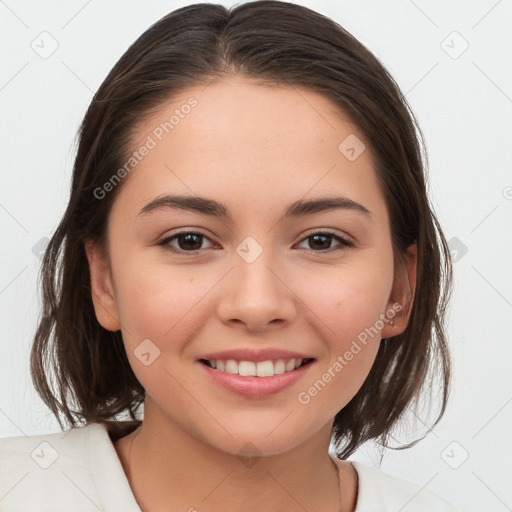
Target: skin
{"points": [[256, 149]]}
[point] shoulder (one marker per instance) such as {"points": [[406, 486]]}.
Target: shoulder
{"points": [[379, 491], [58, 471], [42, 470]]}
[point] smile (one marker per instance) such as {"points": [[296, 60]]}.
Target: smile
{"points": [[256, 380], [267, 368]]}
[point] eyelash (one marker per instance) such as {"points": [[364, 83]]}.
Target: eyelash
{"points": [[343, 243]]}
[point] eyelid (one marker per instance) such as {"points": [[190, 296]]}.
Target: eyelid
{"points": [[166, 241], [345, 241], [328, 231]]}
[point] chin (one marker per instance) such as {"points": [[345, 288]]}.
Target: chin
{"points": [[256, 444]]}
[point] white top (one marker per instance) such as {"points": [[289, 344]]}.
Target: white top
{"points": [[79, 470]]}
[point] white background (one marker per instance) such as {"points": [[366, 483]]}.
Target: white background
{"points": [[464, 106]]}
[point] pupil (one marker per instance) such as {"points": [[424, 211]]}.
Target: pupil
{"points": [[190, 241], [326, 241]]}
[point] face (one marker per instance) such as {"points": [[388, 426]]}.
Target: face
{"points": [[183, 284]]}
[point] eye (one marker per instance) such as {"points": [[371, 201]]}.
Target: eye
{"points": [[187, 241], [322, 240], [192, 242]]}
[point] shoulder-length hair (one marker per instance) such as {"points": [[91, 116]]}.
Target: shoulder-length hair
{"points": [[80, 369]]}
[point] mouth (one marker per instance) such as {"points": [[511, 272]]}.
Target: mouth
{"points": [[256, 379], [268, 368]]}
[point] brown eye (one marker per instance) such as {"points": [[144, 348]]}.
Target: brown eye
{"points": [[185, 241], [321, 241]]}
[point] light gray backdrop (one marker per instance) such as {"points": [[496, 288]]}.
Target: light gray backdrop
{"points": [[452, 60]]}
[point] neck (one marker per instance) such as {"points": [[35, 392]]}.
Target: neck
{"points": [[165, 464]]}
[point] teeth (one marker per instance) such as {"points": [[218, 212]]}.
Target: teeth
{"points": [[247, 368], [231, 366], [279, 367], [261, 369]]}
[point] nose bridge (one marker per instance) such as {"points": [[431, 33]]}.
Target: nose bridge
{"points": [[255, 272], [256, 294]]}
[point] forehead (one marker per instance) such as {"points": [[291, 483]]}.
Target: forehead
{"points": [[237, 111], [238, 138]]}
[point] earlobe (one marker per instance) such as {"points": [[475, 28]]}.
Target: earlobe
{"points": [[402, 294], [103, 296]]}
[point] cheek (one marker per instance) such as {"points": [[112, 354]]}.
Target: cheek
{"points": [[157, 303], [348, 299], [160, 310], [166, 304], [349, 305]]}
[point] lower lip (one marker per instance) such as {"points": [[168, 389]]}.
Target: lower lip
{"points": [[256, 387]]}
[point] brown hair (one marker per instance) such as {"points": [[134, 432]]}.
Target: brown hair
{"points": [[75, 362]]}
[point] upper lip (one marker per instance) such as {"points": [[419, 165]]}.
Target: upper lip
{"points": [[247, 354]]}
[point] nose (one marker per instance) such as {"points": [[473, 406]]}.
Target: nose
{"points": [[257, 296]]}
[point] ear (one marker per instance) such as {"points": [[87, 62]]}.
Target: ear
{"points": [[103, 296], [402, 294]]}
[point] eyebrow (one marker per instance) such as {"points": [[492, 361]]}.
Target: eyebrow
{"points": [[214, 208]]}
